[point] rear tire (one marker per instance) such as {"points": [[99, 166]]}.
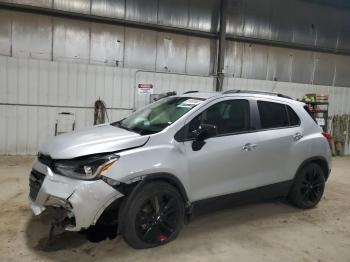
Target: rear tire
{"points": [[308, 187], [154, 216]]}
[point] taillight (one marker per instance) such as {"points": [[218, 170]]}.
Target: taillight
{"points": [[327, 136]]}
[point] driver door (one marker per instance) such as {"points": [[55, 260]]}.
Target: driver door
{"points": [[224, 164]]}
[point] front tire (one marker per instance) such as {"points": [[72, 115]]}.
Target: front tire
{"points": [[154, 216], [308, 187]]}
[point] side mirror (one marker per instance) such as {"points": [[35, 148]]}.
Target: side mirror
{"points": [[203, 132]]}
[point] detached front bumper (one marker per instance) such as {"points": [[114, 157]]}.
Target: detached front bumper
{"points": [[83, 201]]}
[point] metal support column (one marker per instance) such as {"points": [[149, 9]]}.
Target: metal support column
{"points": [[222, 46]]}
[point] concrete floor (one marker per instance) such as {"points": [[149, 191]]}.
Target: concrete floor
{"points": [[270, 231]]}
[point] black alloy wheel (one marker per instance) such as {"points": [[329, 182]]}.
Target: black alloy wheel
{"points": [[308, 186], [157, 219], [155, 216]]}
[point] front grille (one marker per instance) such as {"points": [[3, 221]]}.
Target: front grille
{"points": [[35, 181]]}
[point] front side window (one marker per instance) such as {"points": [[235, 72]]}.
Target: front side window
{"points": [[157, 116], [229, 117]]}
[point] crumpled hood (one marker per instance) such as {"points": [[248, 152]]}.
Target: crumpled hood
{"points": [[94, 140]]}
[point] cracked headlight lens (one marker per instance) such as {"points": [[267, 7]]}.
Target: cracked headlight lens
{"points": [[87, 168]]}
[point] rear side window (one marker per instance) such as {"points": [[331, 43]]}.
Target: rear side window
{"points": [[309, 112], [272, 115], [294, 120]]}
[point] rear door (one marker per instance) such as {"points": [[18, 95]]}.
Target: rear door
{"points": [[280, 132]]}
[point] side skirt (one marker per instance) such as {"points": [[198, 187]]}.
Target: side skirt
{"points": [[249, 196]]}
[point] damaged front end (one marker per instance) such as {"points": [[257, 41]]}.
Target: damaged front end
{"points": [[77, 204]]}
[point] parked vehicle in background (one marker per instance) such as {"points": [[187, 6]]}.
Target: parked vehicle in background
{"points": [[149, 171]]}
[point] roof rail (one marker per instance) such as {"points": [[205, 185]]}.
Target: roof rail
{"points": [[190, 92], [235, 91]]}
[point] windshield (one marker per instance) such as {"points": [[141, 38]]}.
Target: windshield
{"points": [[157, 116]]}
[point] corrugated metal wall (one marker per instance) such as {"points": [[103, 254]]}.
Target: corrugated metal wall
{"points": [[32, 92], [315, 23], [164, 82], [255, 61], [92, 59], [60, 39]]}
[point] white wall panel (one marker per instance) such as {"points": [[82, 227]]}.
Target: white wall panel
{"points": [[171, 53], [199, 60], [5, 33], [107, 44], [140, 48], [32, 92], [32, 36], [165, 82], [71, 40]]}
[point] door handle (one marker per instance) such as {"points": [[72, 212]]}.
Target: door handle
{"points": [[297, 136], [249, 147]]}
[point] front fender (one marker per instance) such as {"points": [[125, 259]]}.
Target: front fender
{"points": [[151, 161]]}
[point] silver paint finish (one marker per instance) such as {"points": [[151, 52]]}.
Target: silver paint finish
{"points": [[87, 198], [98, 139], [202, 165]]}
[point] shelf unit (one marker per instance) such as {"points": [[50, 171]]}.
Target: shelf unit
{"points": [[319, 111]]}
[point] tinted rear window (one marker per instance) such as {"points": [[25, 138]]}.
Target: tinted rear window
{"points": [[294, 120], [272, 115], [310, 114]]}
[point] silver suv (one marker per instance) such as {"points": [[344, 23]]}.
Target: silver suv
{"points": [[149, 172]]}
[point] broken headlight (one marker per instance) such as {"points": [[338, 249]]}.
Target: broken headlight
{"points": [[86, 168]]}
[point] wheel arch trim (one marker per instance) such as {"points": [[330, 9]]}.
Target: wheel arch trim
{"points": [[315, 159], [142, 180]]}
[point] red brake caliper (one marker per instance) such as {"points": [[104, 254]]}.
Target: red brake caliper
{"points": [[162, 238]]}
